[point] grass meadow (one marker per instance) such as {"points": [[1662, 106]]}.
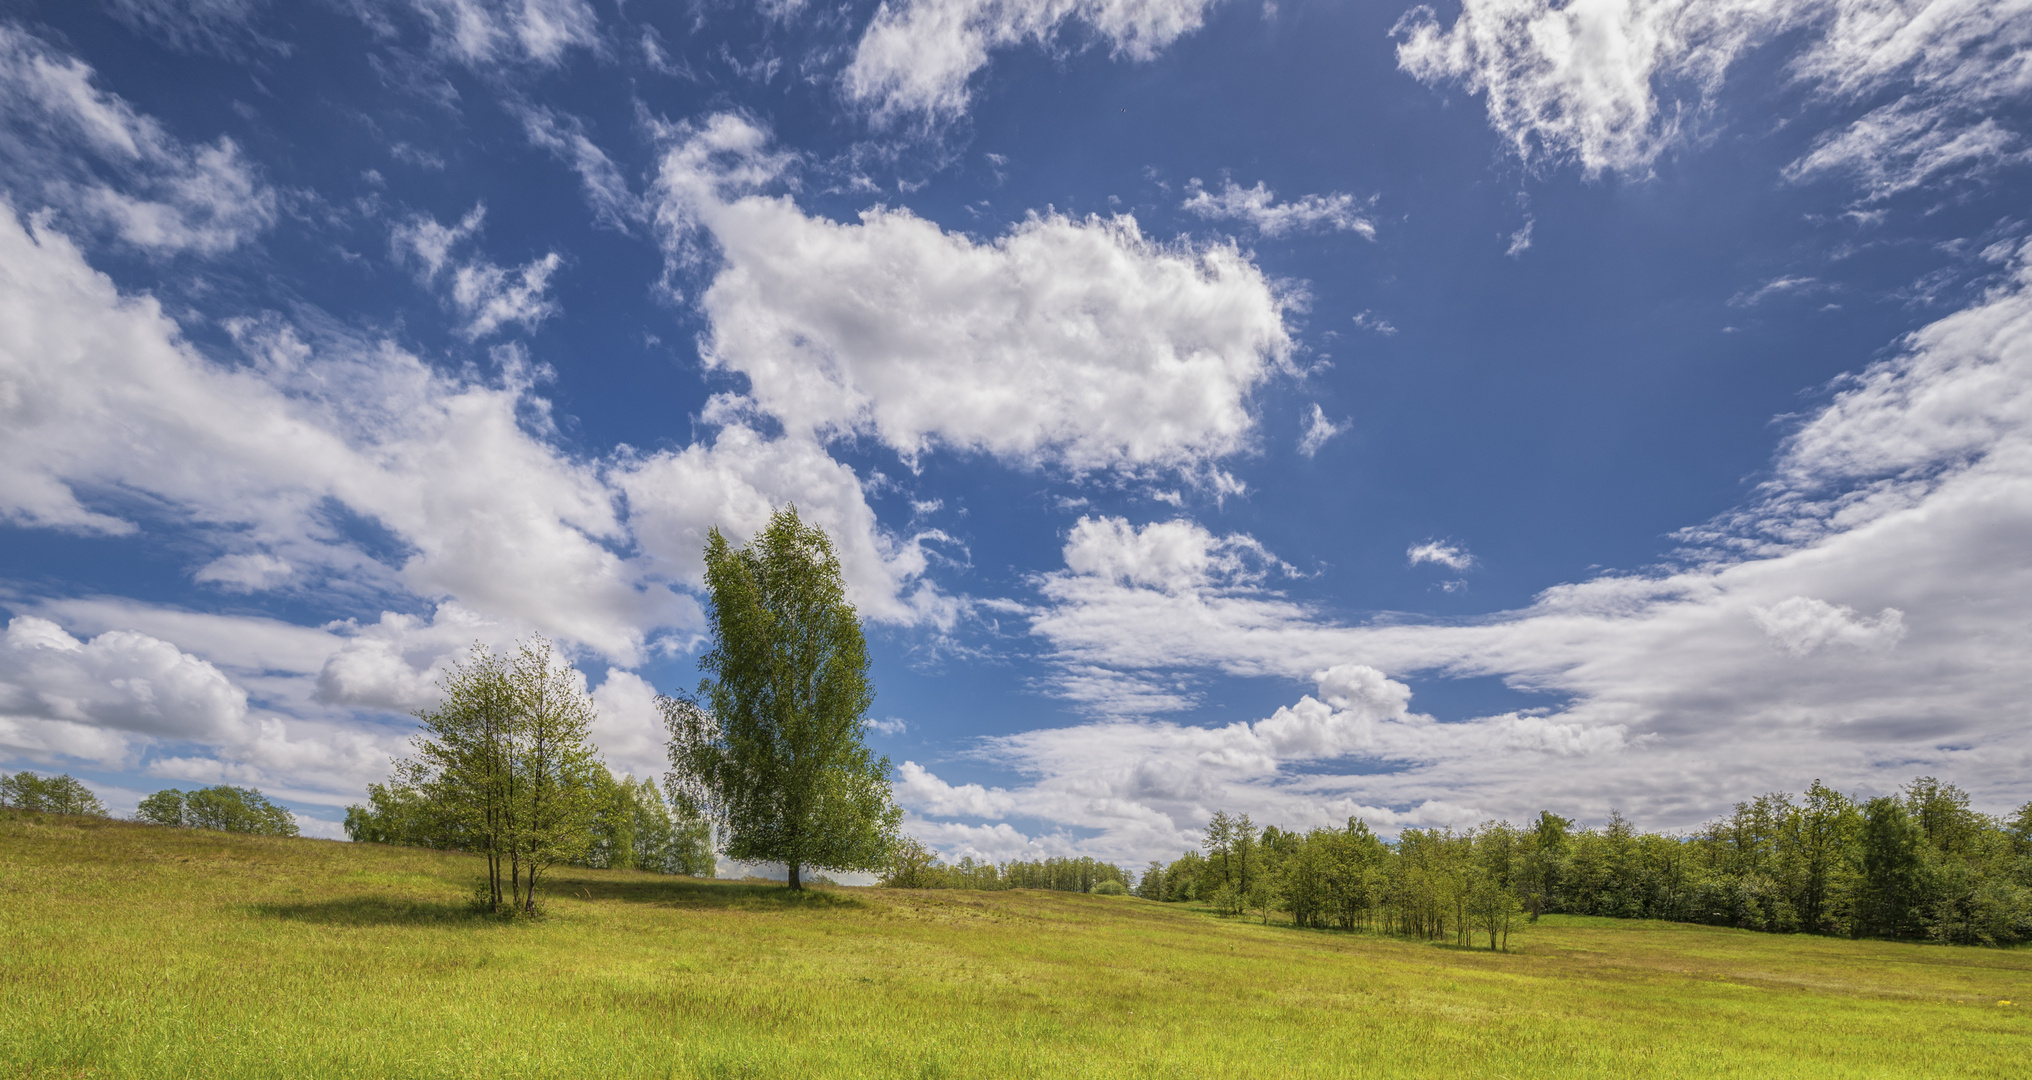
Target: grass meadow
{"points": [[136, 951]]}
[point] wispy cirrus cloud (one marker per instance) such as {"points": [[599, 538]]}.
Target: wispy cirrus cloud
{"points": [[1259, 208], [90, 154], [1610, 86]]}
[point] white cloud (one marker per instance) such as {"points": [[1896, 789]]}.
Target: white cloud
{"points": [[916, 58], [215, 26], [1258, 206], [1318, 429], [254, 572], [89, 153], [606, 190], [490, 296], [629, 730], [1784, 285], [1076, 342], [429, 242], [1439, 553], [120, 680], [486, 295], [1174, 556], [1369, 320], [1611, 84], [484, 33], [103, 394], [110, 420], [1904, 145], [1801, 624]]}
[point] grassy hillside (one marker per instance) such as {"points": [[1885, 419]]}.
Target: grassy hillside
{"points": [[131, 951]]}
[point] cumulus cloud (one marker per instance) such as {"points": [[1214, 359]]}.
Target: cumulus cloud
{"points": [[1801, 624], [629, 729], [1174, 556], [89, 153], [1066, 341], [1258, 207], [121, 680], [916, 58], [1611, 85]]}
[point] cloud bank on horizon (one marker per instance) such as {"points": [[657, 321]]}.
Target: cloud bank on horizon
{"points": [[305, 388]]}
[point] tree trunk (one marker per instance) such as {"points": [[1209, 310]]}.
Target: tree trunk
{"points": [[795, 883]]}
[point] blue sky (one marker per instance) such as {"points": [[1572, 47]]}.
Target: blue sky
{"points": [[1423, 413]]}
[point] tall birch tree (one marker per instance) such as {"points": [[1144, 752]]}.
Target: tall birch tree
{"points": [[770, 747]]}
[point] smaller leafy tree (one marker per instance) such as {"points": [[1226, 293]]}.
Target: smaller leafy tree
{"points": [[911, 865], [49, 794], [163, 808], [236, 809], [505, 765]]}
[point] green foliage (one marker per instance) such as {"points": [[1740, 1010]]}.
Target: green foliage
{"points": [[163, 808], [400, 812], [236, 809], [770, 748], [49, 794], [634, 829], [504, 769]]}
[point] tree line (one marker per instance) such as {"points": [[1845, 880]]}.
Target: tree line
{"points": [[1921, 864], [911, 865]]}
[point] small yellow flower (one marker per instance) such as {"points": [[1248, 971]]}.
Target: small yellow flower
{"points": [[2003, 1003]]}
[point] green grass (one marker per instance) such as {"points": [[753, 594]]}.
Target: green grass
{"points": [[131, 951]]}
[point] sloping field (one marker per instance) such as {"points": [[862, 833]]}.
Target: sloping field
{"points": [[132, 951]]}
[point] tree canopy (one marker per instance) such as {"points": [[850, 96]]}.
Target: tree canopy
{"points": [[771, 746], [504, 769], [49, 794], [227, 809]]}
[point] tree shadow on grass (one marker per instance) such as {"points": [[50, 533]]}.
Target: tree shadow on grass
{"points": [[699, 893], [676, 892], [377, 911]]}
